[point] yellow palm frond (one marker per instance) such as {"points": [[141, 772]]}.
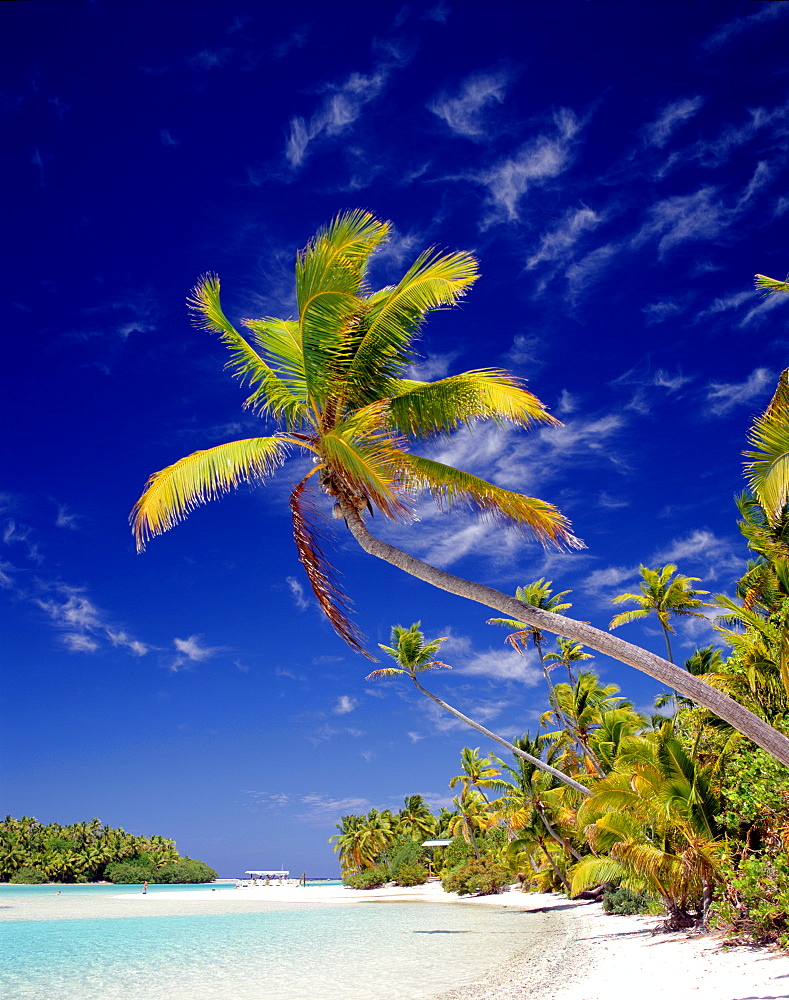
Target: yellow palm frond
{"points": [[450, 486], [768, 470], [174, 492], [430, 408], [769, 285]]}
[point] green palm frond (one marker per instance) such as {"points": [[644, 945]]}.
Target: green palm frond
{"points": [[433, 281], [174, 492], [331, 598], [449, 486], [283, 397], [627, 616], [385, 671], [595, 871], [431, 408], [768, 470]]}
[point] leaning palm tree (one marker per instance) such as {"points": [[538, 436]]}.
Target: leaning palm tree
{"points": [[336, 380], [413, 655]]}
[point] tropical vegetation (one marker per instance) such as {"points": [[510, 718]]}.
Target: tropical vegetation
{"points": [[33, 852], [338, 383]]}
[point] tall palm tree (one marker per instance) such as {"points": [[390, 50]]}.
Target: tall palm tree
{"points": [[537, 594], [413, 655], [664, 592], [478, 772], [415, 818], [569, 652], [334, 378]]}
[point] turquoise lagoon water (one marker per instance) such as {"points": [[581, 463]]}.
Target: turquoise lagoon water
{"points": [[366, 951]]}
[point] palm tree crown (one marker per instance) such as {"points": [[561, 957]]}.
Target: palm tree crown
{"points": [[664, 592], [335, 379]]}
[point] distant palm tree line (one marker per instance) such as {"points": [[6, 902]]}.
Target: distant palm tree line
{"points": [[77, 852]]}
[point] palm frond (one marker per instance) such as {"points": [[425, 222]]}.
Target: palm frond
{"points": [[280, 393], [627, 616], [487, 394], [366, 458], [384, 671], [383, 350], [333, 601], [769, 285], [172, 493], [449, 486], [768, 470]]}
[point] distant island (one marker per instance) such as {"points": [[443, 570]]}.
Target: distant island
{"points": [[34, 853]]}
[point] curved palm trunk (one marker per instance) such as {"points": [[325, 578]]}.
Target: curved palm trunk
{"points": [[740, 718], [505, 743]]}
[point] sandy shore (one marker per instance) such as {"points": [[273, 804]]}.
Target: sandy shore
{"points": [[572, 950]]}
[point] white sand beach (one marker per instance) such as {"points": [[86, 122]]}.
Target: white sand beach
{"points": [[574, 952]]}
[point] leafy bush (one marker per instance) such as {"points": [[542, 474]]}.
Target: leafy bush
{"points": [[626, 901], [757, 899], [28, 876], [456, 853], [411, 873], [371, 878], [482, 877], [183, 871], [404, 851], [129, 873]]}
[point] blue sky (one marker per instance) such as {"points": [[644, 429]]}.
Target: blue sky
{"points": [[620, 169]]}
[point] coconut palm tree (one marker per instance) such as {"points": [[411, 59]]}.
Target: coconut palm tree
{"points": [[335, 379], [415, 818], [478, 773], [664, 592], [653, 825], [413, 655], [569, 653], [538, 595]]}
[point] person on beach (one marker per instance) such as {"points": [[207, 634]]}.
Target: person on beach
{"points": [[144, 888]]}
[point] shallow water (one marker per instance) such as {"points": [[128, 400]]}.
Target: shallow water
{"points": [[370, 950]]}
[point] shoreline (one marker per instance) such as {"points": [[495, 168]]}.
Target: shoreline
{"points": [[576, 952]]}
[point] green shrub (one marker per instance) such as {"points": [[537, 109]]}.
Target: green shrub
{"points": [[757, 899], [129, 873], [404, 851], [371, 878], [481, 877], [411, 873], [187, 870], [29, 876], [626, 901], [456, 853]]}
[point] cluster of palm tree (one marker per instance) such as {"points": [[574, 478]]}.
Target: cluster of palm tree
{"points": [[78, 852], [362, 841], [605, 795]]}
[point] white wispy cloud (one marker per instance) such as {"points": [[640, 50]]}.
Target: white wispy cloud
{"points": [[541, 159], [725, 396], [503, 664], [671, 117], [65, 519], [659, 312], [463, 110], [338, 111], [590, 268], [191, 650], [731, 29], [297, 593], [557, 243], [712, 557], [701, 216], [84, 627], [344, 704]]}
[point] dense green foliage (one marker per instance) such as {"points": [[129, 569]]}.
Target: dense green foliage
{"points": [[90, 852], [625, 901], [481, 877]]}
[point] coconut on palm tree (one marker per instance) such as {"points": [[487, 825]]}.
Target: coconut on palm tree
{"points": [[335, 379]]}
